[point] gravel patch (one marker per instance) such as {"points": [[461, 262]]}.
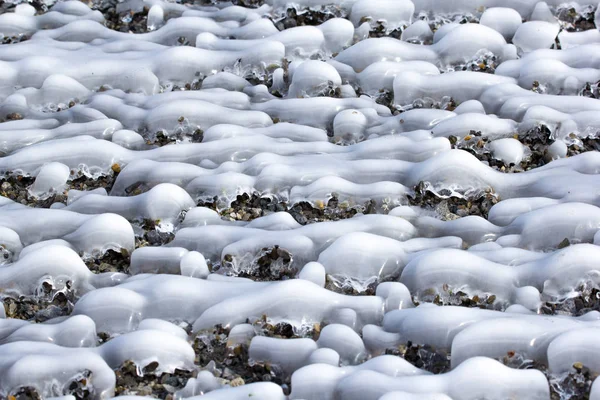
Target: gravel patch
{"points": [[247, 207], [449, 206], [425, 357], [142, 381]]}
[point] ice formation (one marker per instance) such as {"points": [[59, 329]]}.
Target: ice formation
{"points": [[308, 199]]}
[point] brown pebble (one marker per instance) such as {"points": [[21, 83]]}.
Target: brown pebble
{"points": [[237, 382], [14, 116]]}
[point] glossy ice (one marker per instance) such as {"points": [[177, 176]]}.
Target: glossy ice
{"points": [[350, 194]]}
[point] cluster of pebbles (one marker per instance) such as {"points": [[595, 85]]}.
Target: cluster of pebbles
{"points": [[231, 363]]}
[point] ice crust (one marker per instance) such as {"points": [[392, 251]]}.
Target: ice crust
{"points": [[214, 102]]}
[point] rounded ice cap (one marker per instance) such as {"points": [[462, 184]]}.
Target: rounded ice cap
{"points": [[103, 232], [313, 272], [324, 356], [25, 10], [194, 264], [503, 20], [535, 35], [470, 107], [128, 139], [508, 150], [529, 297], [443, 30], [557, 150], [418, 31], [542, 12], [155, 260], [162, 325], [344, 316], [156, 17], [345, 342], [338, 33], [287, 354], [394, 13], [240, 334], [363, 256], [10, 241], [225, 80], [312, 78], [349, 126], [396, 295], [52, 178]]}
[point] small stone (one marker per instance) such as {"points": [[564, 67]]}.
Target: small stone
{"points": [[116, 168], [14, 116], [578, 366], [151, 367], [12, 309], [237, 382]]}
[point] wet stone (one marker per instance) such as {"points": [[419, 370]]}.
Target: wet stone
{"points": [[379, 29], [271, 264], [25, 393], [487, 62], [476, 144], [40, 308], [153, 236], [591, 90], [573, 21], [587, 299], [141, 381], [83, 182], [161, 139], [575, 384], [446, 103], [15, 187], [14, 39], [425, 357], [14, 117], [386, 98], [572, 386], [126, 21], [111, 261], [80, 387], [449, 297], [243, 3], [452, 207], [587, 144], [103, 337], [285, 330], [230, 362], [350, 287], [248, 207], [313, 17]]}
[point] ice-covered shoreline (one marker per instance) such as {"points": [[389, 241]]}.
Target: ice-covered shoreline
{"points": [[355, 199]]}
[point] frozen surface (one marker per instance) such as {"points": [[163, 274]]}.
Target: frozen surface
{"points": [[308, 199]]}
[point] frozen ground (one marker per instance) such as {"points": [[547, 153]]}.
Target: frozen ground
{"points": [[317, 199]]}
